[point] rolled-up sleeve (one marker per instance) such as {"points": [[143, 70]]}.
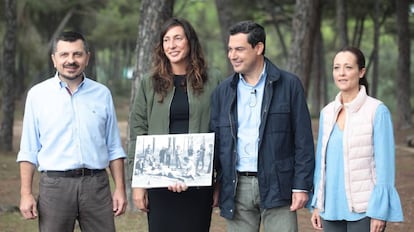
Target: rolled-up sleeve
{"points": [[29, 143]]}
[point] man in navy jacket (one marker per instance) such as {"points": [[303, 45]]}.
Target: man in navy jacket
{"points": [[264, 147]]}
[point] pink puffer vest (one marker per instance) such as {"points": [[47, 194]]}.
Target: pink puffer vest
{"points": [[358, 149]]}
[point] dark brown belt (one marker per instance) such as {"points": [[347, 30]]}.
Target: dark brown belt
{"points": [[74, 172], [247, 174]]}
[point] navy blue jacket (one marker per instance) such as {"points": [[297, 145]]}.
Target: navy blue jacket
{"points": [[286, 149]]}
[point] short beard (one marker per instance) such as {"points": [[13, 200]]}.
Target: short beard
{"points": [[71, 78]]}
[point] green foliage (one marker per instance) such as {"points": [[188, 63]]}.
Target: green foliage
{"points": [[115, 23], [112, 28], [203, 16], [46, 6]]}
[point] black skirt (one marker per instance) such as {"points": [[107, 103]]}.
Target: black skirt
{"points": [[188, 211]]}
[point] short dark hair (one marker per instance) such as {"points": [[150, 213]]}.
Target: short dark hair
{"points": [[255, 31], [360, 59], [70, 36]]}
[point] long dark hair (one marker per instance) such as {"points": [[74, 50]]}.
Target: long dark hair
{"points": [[196, 73], [360, 59]]}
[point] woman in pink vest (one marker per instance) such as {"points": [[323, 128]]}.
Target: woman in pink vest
{"points": [[355, 156]]}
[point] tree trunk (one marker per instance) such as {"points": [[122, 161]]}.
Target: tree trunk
{"points": [[153, 13], [303, 34], [375, 51], [274, 12], [319, 98], [19, 81], [56, 32], [9, 75], [61, 26], [90, 70], [358, 31], [403, 70], [341, 22], [226, 19]]}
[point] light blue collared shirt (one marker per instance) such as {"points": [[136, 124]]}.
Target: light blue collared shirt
{"points": [[249, 103], [63, 131]]}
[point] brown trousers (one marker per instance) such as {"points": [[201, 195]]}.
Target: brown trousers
{"points": [[63, 200]]}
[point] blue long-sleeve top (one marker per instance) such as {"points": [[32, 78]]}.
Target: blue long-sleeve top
{"points": [[384, 203]]}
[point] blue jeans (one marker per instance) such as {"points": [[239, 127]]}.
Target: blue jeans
{"points": [[249, 215]]}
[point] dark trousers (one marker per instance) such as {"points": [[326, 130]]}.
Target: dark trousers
{"points": [[63, 200], [362, 225]]}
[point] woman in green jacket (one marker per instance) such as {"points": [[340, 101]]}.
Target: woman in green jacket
{"points": [[174, 99]]}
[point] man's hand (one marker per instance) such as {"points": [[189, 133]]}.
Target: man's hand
{"points": [[28, 206], [119, 202], [119, 199], [299, 200]]}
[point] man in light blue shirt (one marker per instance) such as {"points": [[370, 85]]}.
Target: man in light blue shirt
{"points": [[70, 134]]}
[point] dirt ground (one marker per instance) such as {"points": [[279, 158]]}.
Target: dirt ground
{"points": [[9, 186]]}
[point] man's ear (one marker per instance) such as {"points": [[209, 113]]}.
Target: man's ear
{"points": [[259, 48], [53, 60], [88, 54]]}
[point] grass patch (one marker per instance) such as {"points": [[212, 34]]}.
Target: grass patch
{"points": [[14, 222]]}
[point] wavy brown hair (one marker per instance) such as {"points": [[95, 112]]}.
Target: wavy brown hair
{"points": [[196, 73]]}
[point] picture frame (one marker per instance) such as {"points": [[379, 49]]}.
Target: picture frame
{"points": [[163, 160]]}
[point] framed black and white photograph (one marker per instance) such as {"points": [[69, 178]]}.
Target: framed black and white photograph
{"points": [[163, 160]]}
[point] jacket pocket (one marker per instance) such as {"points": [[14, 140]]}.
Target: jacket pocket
{"points": [[279, 118], [285, 174], [224, 134]]}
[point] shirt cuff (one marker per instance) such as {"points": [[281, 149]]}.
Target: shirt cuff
{"points": [[299, 191]]}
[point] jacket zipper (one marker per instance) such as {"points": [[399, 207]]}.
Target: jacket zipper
{"points": [[232, 129]]}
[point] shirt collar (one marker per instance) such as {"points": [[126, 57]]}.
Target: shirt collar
{"points": [[355, 104], [62, 84], [261, 77]]}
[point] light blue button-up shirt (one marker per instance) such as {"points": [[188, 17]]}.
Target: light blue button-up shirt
{"points": [[63, 131], [249, 103]]}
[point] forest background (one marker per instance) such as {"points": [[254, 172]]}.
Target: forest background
{"points": [[302, 37]]}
